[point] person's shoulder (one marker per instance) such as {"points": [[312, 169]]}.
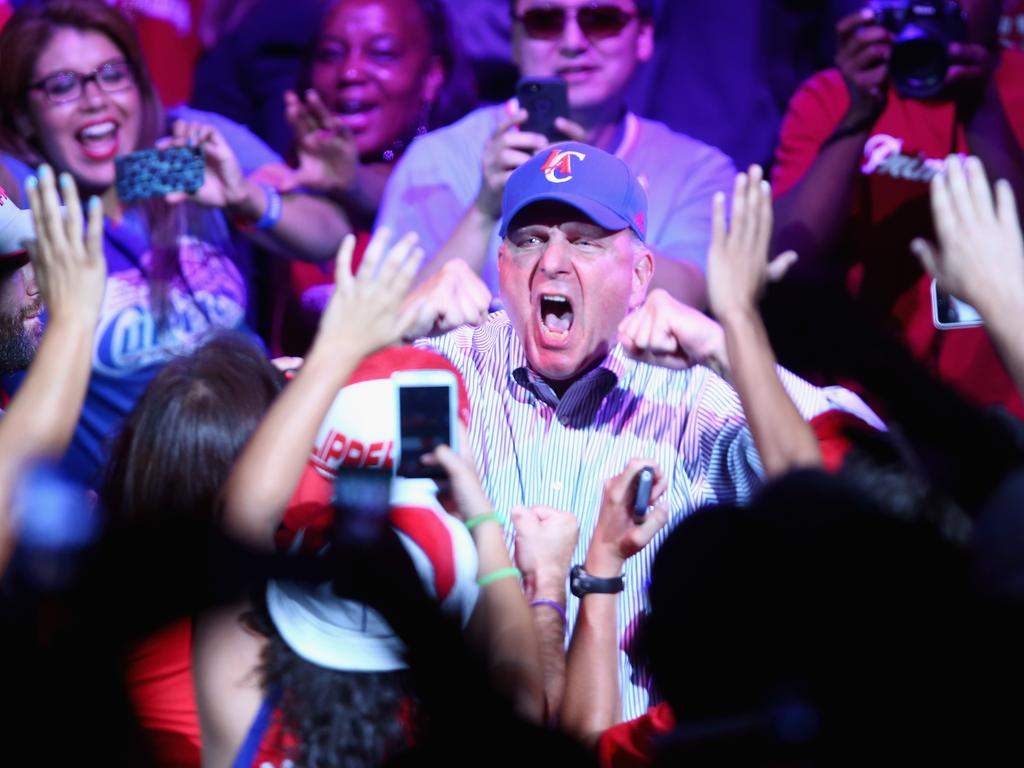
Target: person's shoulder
{"points": [[669, 146], [824, 90], [466, 133], [484, 348]]}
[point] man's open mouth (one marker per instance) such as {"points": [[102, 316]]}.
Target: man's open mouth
{"points": [[556, 314]]}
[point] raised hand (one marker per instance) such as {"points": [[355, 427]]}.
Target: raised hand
{"points": [[862, 57], [616, 536], [545, 541], [68, 261], [327, 154], [224, 184], [464, 496], [364, 312], [980, 253], [506, 150], [738, 266]]}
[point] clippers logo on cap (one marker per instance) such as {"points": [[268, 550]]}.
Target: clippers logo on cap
{"points": [[557, 168]]}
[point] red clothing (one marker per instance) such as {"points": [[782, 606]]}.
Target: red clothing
{"points": [[906, 147], [631, 744], [160, 686], [168, 32], [294, 323]]}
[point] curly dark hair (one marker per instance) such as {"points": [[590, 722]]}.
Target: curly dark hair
{"points": [[339, 719]]}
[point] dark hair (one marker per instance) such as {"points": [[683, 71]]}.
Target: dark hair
{"points": [[825, 626], [26, 35], [179, 442], [457, 94], [338, 718]]}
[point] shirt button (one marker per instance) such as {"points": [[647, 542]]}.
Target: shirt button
{"points": [[557, 486]]}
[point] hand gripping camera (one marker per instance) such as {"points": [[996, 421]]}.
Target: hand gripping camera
{"points": [[922, 32]]}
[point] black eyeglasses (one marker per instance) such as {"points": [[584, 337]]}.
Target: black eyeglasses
{"points": [[595, 21], [61, 87]]}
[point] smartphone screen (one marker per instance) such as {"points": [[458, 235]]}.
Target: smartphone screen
{"points": [[157, 172], [362, 502], [425, 419], [950, 312]]}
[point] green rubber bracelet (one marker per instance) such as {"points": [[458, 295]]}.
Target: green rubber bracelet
{"points": [[475, 520], [497, 575]]}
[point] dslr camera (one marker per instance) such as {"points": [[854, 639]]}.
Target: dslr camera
{"points": [[922, 31]]}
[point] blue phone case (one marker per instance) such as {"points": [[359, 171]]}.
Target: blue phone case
{"points": [[156, 172]]}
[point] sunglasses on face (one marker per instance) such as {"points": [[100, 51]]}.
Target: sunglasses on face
{"points": [[67, 86], [596, 21]]}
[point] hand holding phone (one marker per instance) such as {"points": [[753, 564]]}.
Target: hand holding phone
{"points": [[544, 99], [630, 516], [156, 172], [427, 402]]}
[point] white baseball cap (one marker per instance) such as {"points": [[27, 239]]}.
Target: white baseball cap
{"points": [[15, 227]]}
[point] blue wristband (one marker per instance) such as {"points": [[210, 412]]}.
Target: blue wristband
{"points": [[272, 214]]}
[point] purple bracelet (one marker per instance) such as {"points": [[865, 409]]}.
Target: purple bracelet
{"points": [[556, 606]]}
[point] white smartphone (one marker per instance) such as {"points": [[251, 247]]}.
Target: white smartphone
{"points": [[428, 407], [949, 312]]}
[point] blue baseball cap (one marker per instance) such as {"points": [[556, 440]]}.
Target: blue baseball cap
{"points": [[589, 179]]}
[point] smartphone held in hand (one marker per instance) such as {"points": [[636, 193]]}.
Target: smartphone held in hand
{"points": [[157, 172], [427, 402], [544, 99], [950, 312], [642, 500]]}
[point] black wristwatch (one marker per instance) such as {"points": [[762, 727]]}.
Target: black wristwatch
{"points": [[582, 583]]}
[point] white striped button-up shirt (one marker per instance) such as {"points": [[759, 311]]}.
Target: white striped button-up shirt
{"points": [[532, 447]]}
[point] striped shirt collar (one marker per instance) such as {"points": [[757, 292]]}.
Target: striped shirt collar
{"points": [[580, 404]]}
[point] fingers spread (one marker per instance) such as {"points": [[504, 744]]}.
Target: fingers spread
{"points": [[944, 213], [778, 266], [718, 222], [343, 263], [73, 222], [926, 254], [981, 193], [1006, 207], [94, 235], [959, 192]]}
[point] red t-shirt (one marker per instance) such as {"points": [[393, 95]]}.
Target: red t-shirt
{"points": [[161, 689], [906, 147]]}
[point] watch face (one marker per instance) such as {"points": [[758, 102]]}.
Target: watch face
{"points": [[582, 583]]}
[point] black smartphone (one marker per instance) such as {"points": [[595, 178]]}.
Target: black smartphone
{"points": [[642, 500], [544, 98], [362, 503], [157, 172], [427, 402]]}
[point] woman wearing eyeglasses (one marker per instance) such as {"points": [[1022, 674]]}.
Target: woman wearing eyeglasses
{"points": [[75, 93], [448, 186]]}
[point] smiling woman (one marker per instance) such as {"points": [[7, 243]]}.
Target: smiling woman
{"points": [[74, 95], [381, 73]]}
